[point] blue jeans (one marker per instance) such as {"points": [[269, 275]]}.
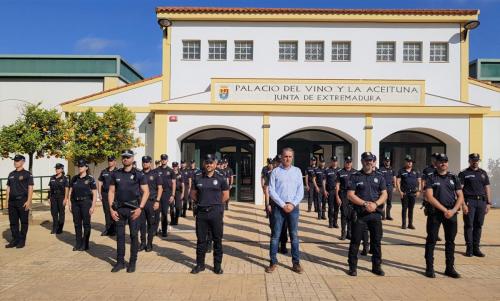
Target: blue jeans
{"points": [[292, 218]]}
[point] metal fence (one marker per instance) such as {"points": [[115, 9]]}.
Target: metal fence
{"points": [[40, 190]]}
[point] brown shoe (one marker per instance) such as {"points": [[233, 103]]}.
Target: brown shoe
{"points": [[297, 268], [271, 268]]}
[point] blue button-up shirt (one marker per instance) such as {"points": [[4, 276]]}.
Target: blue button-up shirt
{"points": [[286, 185]]}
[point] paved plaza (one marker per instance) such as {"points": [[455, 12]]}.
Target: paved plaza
{"points": [[48, 269]]}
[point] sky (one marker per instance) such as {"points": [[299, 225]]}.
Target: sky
{"points": [[128, 27]]}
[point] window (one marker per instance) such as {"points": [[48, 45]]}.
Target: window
{"points": [[315, 51], [288, 51], [341, 51], [243, 50], [191, 50], [386, 51], [438, 52], [217, 50], [412, 52]]}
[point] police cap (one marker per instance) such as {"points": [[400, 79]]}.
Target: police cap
{"points": [[474, 157], [183, 161], [19, 158], [59, 166], [127, 153], [111, 158], [269, 160], [313, 159], [164, 157], [209, 158], [82, 163], [348, 159], [409, 158], [192, 161], [334, 158], [175, 164], [367, 156], [442, 158], [147, 159], [387, 158]]}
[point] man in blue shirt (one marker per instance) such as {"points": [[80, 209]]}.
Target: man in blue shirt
{"points": [[286, 190]]}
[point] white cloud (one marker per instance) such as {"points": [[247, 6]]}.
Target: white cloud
{"points": [[93, 44]]}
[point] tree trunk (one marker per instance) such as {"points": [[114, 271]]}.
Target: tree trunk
{"points": [[30, 155]]}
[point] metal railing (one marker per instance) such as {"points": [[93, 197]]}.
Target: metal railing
{"points": [[40, 190]]}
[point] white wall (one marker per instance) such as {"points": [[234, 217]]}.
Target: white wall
{"points": [[187, 124], [484, 97], [51, 92], [349, 127], [140, 96], [491, 153], [190, 77], [454, 131]]}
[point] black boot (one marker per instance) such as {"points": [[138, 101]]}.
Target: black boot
{"points": [[172, 219], [377, 270], [330, 223], [78, 245], [197, 269], [352, 271], [218, 269], [142, 246], [323, 216], [60, 228], [365, 251], [183, 212], [451, 272], [131, 267], [342, 235], [11, 244], [54, 229], [429, 271], [477, 252], [86, 239], [468, 251], [118, 266]]}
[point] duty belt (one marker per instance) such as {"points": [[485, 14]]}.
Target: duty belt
{"points": [[207, 208], [475, 197], [82, 198]]}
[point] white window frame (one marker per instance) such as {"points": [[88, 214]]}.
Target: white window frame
{"points": [[386, 61], [210, 47], [421, 51], [246, 53], [447, 60], [296, 58], [349, 54], [322, 54], [188, 47]]}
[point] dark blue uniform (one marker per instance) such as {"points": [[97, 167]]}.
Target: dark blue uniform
{"points": [[333, 207], [57, 192], [389, 175], [343, 178], [185, 198], [18, 182], [150, 217], [311, 194], [81, 202], [368, 187], [176, 205], [474, 187], [105, 179], [409, 186], [444, 189], [191, 174], [167, 175], [127, 199], [319, 200], [210, 215]]}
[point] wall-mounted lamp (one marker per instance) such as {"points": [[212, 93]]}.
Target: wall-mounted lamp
{"points": [[470, 26]]}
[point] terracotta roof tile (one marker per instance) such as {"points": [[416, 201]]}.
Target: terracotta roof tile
{"points": [[326, 11]]}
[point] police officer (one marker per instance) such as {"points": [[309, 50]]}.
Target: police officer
{"points": [[427, 172], [409, 185], [19, 195], [477, 203], [152, 208], [265, 173], [309, 182], [342, 185], [125, 191], [192, 172], [318, 178], [210, 191], [329, 187], [103, 188], [444, 195], [368, 193], [58, 195], [83, 193], [168, 196], [230, 178], [390, 179], [186, 180], [176, 206]]}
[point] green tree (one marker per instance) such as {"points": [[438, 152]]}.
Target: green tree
{"points": [[38, 132], [93, 137]]}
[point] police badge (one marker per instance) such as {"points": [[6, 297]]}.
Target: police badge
{"points": [[215, 182]]}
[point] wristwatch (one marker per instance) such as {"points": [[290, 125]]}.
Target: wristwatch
{"points": [[365, 204]]}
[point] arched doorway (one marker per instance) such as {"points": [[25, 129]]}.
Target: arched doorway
{"points": [[419, 145], [317, 143], [238, 148]]}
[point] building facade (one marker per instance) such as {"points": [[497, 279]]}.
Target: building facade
{"points": [[246, 82]]}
